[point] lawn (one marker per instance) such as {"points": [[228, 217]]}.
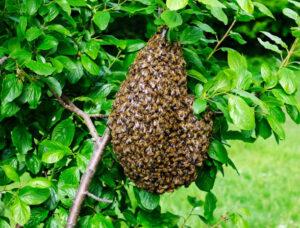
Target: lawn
{"points": [[267, 191]]}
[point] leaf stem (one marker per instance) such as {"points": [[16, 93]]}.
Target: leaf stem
{"points": [[290, 53], [222, 39]]}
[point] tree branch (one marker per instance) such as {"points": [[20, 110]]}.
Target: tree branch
{"points": [[222, 39], [99, 146]]}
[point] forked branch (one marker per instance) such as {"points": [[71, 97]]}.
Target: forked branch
{"points": [[99, 146]]}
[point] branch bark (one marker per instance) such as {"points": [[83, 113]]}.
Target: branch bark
{"points": [[99, 146]]}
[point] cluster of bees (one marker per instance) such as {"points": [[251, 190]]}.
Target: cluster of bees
{"points": [[157, 139]]}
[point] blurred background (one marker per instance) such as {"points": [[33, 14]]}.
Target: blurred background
{"points": [[266, 192]]}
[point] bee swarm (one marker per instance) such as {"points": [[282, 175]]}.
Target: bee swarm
{"points": [[156, 137]]}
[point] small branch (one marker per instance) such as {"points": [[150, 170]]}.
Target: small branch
{"points": [[101, 116], [3, 59], [222, 39], [223, 218], [187, 218], [99, 146], [290, 53], [102, 200]]}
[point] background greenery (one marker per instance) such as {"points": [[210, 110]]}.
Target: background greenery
{"points": [[83, 49]]}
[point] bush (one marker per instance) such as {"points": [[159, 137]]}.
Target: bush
{"points": [[82, 49]]}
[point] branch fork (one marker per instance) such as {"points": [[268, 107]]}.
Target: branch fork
{"points": [[99, 146]]}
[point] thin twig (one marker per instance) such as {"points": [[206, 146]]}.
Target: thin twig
{"points": [[290, 53], [3, 59], [102, 200], [187, 218], [99, 146], [222, 39], [98, 116], [224, 218]]}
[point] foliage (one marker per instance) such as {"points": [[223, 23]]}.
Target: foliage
{"points": [[83, 48]]}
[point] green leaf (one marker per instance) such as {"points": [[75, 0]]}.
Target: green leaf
{"points": [[191, 35], [199, 106], [246, 5], [74, 70], [236, 61], [237, 37], [33, 33], [210, 204], [269, 46], [21, 139], [219, 14], [67, 184], [101, 221], [64, 132], [222, 83], [254, 99], [92, 49], [276, 39], [101, 19], [11, 88], [21, 55], [171, 18], [34, 196], [40, 68], [9, 109], [212, 3], [52, 151], [204, 27], [196, 75], [268, 76], [264, 129], [4, 224], [241, 114], [11, 173], [206, 179], [292, 14], [60, 29], [38, 215], [218, 152], [262, 8], [48, 42], [32, 94], [176, 4], [276, 127], [39, 182], [198, 90], [64, 5], [33, 164], [89, 65], [287, 79], [20, 211], [148, 200], [32, 6], [53, 85], [77, 2]]}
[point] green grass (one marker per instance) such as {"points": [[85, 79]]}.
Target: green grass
{"points": [[268, 187]]}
